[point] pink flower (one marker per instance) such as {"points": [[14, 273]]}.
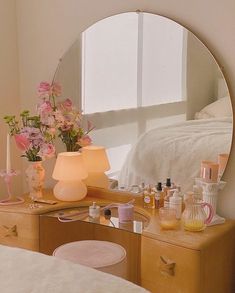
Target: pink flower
{"points": [[45, 107], [31, 133], [47, 89], [47, 150], [44, 88], [67, 104], [22, 142], [56, 89], [84, 141], [48, 120], [46, 113], [52, 131], [59, 117]]}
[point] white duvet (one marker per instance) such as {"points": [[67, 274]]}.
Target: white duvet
{"points": [[23, 271], [176, 151]]}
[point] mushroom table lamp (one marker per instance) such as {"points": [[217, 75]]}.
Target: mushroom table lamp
{"points": [[96, 163], [70, 171]]}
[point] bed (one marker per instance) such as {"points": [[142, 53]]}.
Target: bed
{"points": [[176, 151], [23, 271]]}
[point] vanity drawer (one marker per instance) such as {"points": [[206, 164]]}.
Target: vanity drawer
{"points": [[19, 230], [169, 268]]}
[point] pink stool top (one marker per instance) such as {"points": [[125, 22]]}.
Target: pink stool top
{"points": [[92, 253]]}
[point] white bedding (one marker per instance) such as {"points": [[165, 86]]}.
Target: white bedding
{"points": [[23, 271], [176, 151]]}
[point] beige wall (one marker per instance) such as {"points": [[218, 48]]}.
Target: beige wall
{"points": [[201, 70], [9, 92], [48, 27]]}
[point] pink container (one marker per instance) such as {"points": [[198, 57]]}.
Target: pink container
{"points": [[209, 171], [125, 212]]}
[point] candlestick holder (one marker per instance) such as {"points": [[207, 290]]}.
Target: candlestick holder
{"points": [[7, 177], [210, 192]]}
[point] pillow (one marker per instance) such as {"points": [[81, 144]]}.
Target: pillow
{"points": [[220, 108]]}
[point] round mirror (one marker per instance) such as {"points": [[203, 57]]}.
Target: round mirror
{"points": [[155, 94]]}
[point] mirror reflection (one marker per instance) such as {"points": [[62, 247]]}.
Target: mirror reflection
{"points": [[155, 94]]}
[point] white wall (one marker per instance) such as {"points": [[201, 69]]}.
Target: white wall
{"points": [[47, 28], [9, 92], [201, 70]]}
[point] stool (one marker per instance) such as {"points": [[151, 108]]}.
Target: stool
{"points": [[104, 256]]}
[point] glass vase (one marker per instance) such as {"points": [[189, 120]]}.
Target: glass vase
{"points": [[72, 147], [35, 174]]}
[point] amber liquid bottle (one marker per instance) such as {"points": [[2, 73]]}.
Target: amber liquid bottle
{"points": [[149, 199], [159, 196]]}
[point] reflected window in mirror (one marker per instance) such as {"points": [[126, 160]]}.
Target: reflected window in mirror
{"points": [[120, 57], [128, 62]]}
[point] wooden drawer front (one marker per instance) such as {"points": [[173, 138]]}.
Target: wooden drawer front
{"points": [[167, 268], [54, 233], [19, 230]]}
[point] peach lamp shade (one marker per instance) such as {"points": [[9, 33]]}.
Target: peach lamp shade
{"points": [[70, 171], [96, 163]]}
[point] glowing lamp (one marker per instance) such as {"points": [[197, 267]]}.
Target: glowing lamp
{"points": [[69, 170], [96, 163]]}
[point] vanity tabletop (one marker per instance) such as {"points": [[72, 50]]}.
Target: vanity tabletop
{"points": [[42, 208], [187, 239], [101, 196], [180, 237]]}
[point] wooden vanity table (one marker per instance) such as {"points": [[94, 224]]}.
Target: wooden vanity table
{"points": [[161, 261]]}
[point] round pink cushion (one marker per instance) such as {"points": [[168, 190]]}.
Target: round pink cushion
{"points": [[102, 255]]}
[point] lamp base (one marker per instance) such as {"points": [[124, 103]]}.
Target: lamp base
{"points": [[97, 179], [70, 190]]}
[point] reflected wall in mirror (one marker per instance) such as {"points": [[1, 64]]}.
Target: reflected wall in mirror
{"points": [[156, 95]]}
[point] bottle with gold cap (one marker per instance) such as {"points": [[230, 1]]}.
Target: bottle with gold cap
{"points": [[149, 198]]}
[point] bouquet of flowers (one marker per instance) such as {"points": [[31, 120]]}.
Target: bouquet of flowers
{"points": [[62, 117], [33, 138]]}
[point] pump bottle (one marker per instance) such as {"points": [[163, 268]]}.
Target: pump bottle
{"points": [[175, 202]]}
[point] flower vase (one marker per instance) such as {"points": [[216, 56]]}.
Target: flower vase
{"points": [[35, 174]]}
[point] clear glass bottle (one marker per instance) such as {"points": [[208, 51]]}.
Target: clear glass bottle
{"points": [[176, 203], [167, 197]]}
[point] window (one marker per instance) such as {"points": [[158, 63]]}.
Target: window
{"points": [[132, 60]]}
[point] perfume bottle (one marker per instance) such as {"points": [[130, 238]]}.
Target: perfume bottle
{"points": [[168, 185], [167, 198], [178, 187], [94, 211], [175, 202], [149, 199], [159, 196]]}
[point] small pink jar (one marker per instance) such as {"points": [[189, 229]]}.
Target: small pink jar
{"points": [[125, 212]]}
